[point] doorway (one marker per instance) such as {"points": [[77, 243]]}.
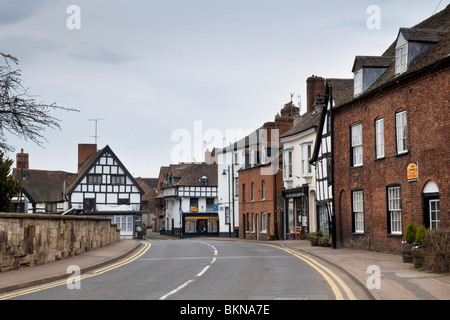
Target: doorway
{"points": [[202, 226], [431, 210]]}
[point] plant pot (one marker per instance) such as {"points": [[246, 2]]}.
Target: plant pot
{"points": [[315, 241], [406, 254], [417, 258]]}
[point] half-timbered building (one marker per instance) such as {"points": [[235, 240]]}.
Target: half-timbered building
{"points": [[103, 186], [189, 193]]}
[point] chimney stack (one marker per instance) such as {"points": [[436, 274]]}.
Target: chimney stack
{"points": [[314, 85], [22, 160], [85, 151]]}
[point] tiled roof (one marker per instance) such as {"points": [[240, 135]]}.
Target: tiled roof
{"points": [[43, 185], [190, 173]]}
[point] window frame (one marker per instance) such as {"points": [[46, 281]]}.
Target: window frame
{"points": [[358, 82], [358, 211], [401, 132], [356, 147], [121, 179], [306, 166], [287, 164], [379, 138], [94, 178], [394, 209]]}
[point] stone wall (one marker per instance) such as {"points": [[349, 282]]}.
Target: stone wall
{"points": [[33, 239]]}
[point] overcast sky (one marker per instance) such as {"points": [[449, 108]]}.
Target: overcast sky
{"points": [[153, 69]]}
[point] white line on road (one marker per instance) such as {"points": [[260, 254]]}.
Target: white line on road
{"points": [[198, 274]]}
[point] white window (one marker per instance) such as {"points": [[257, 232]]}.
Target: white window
{"points": [[395, 210], [379, 138], [357, 150], [287, 165], [358, 82], [435, 214], [306, 156], [264, 222], [401, 59], [401, 132], [358, 211], [236, 186], [124, 223]]}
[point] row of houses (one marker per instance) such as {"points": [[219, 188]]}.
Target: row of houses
{"points": [[369, 155]]}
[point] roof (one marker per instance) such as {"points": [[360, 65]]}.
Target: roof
{"points": [[189, 174], [44, 185], [86, 167], [434, 29], [371, 62], [308, 121]]}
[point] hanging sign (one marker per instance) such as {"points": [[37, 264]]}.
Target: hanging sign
{"points": [[413, 171]]}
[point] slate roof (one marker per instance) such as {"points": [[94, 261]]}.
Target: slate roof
{"points": [[434, 29], [308, 121]]}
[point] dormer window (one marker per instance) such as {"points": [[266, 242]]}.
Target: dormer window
{"points": [[367, 70], [358, 82], [401, 55], [203, 180], [412, 44]]}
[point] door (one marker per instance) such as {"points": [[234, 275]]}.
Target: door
{"points": [[202, 226]]}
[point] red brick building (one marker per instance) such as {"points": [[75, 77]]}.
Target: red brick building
{"points": [[261, 203], [391, 145]]}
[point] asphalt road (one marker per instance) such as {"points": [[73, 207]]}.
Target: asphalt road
{"points": [[203, 269]]}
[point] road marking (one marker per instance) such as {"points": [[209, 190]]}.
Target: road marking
{"points": [[58, 283], [175, 290], [325, 273], [164, 297]]}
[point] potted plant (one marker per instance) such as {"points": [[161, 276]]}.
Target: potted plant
{"points": [[410, 237], [416, 253], [314, 237]]}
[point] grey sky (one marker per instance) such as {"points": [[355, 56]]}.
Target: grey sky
{"points": [[149, 68]]}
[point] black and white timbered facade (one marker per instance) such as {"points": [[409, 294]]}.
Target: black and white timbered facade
{"points": [[103, 186]]}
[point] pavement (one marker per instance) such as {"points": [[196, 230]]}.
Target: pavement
{"points": [[399, 281]]}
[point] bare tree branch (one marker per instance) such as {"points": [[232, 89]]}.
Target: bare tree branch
{"points": [[20, 113]]}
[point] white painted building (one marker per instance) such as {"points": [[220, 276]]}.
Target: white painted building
{"points": [[190, 197], [299, 175]]}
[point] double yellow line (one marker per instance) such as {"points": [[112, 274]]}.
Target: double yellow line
{"points": [[326, 273], [137, 255]]}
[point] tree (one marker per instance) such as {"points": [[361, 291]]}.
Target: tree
{"points": [[9, 187], [20, 113]]}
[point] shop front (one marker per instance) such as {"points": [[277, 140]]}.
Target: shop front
{"points": [[296, 212], [203, 224]]}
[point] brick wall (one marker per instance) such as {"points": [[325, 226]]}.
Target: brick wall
{"points": [[426, 101], [28, 240], [270, 204]]}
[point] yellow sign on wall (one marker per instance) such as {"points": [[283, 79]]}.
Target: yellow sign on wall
{"points": [[413, 171]]}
